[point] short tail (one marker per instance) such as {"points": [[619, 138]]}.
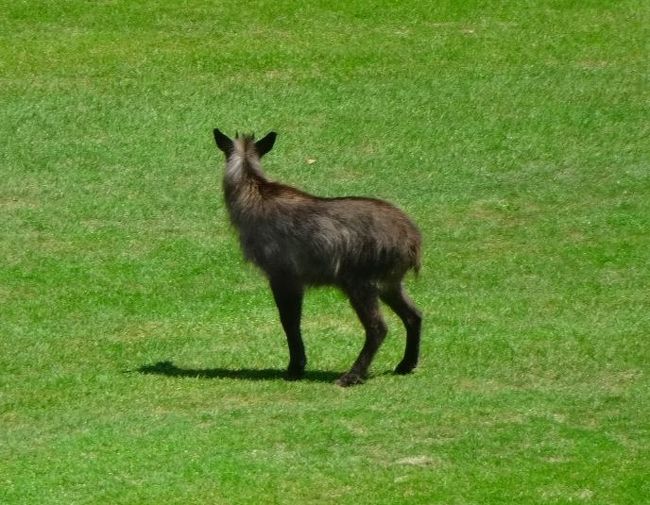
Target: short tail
{"points": [[415, 251]]}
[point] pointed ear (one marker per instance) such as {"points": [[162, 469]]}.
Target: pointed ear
{"points": [[223, 142], [264, 145]]}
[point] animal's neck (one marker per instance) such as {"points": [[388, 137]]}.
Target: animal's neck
{"points": [[242, 184]]}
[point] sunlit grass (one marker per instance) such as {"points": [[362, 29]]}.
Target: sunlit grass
{"points": [[141, 359]]}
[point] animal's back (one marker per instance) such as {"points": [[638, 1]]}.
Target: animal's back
{"points": [[389, 241], [324, 240]]}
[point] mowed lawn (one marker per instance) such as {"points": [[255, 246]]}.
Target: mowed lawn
{"points": [[141, 359]]}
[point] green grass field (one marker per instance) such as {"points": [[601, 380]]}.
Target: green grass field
{"points": [[141, 359]]}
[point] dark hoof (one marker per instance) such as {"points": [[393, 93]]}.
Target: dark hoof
{"points": [[405, 368], [294, 374], [349, 379]]}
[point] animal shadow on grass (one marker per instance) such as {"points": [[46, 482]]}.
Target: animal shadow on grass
{"points": [[168, 369]]}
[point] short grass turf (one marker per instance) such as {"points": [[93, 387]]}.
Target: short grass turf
{"points": [[140, 358]]}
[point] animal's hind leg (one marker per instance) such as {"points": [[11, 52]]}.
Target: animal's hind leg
{"points": [[396, 298], [288, 298], [366, 304]]}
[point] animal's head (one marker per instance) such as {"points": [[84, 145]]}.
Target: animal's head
{"points": [[228, 146]]}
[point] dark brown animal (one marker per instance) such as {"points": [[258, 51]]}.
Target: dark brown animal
{"points": [[364, 246]]}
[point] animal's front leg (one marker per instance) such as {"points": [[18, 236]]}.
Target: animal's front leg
{"points": [[288, 298]]}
